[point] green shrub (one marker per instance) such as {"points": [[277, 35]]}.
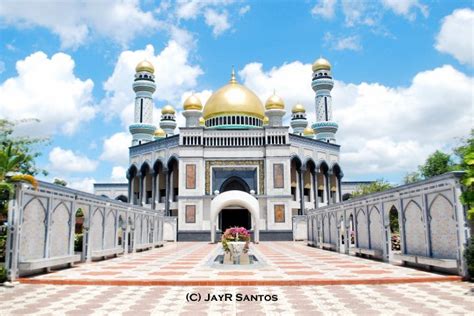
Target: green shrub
{"points": [[3, 274], [78, 242], [469, 255]]}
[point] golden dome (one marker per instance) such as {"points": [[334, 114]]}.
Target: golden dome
{"points": [[201, 121], [308, 131], [159, 132], [274, 102], [266, 120], [298, 108], [168, 109], [233, 98], [192, 103], [320, 64], [145, 65]]}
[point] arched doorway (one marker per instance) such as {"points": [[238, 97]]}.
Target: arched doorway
{"points": [[230, 200], [235, 216]]}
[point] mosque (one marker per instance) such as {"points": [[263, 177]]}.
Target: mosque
{"points": [[234, 163]]}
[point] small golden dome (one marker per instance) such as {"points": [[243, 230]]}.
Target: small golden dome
{"points": [[192, 103], [321, 64], [201, 121], [266, 120], [233, 98], [159, 132], [308, 131], [145, 65], [274, 102], [168, 109], [298, 108]]}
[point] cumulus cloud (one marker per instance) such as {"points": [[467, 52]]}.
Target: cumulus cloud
{"points": [[45, 86], [324, 9], [406, 8], [115, 148], [218, 21], [75, 21], [118, 174], [174, 74], [65, 160], [85, 184], [381, 129], [455, 38]]}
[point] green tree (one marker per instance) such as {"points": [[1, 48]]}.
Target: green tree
{"points": [[376, 186], [436, 164], [411, 177], [60, 182]]}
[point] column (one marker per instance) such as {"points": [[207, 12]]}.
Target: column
{"points": [[140, 188], [339, 191], [314, 184], [327, 177], [167, 190], [130, 189], [301, 185], [153, 191]]}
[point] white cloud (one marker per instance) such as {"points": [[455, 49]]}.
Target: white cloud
{"points": [[173, 76], [75, 21], [118, 174], [405, 8], [45, 86], [218, 21], [456, 36], [85, 185], [115, 148], [65, 160], [324, 8], [244, 10], [381, 129], [343, 43]]}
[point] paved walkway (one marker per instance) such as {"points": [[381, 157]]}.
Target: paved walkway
{"points": [[366, 287], [281, 263]]}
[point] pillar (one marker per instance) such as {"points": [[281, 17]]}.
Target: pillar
{"points": [[167, 195], [153, 191], [315, 189], [301, 186]]}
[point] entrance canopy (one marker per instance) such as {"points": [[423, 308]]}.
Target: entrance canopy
{"points": [[235, 198]]}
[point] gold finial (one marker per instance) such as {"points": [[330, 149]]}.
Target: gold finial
{"points": [[232, 76]]}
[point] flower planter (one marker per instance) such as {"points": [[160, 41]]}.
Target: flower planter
{"points": [[236, 250]]}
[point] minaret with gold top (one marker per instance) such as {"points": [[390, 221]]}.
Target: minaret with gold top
{"points": [[142, 129], [192, 111], [325, 128], [274, 110], [298, 120]]}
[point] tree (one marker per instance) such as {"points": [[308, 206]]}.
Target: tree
{"points": [[376, 186], [412, 177], [17, 161], [436, 164], [60, 182]]}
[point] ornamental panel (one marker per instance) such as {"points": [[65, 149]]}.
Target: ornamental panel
{"points": [[190, 176], [278, 176], [258, 163], [279, 213], [190, 214]]}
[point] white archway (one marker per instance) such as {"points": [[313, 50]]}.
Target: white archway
{"points": [[235, 198]]}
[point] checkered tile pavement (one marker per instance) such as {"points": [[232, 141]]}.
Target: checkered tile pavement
{"points": [[280, 262], [445, 298]]}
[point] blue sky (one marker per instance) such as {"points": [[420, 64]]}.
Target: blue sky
{"points": [[403, 70]]}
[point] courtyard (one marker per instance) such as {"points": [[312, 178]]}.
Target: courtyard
{"points": [[305, 280]]}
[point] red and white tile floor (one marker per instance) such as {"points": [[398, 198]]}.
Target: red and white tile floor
{"points": [[306, 281]]}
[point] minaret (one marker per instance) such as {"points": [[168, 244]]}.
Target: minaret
{"points": [[298, 119], [168, 120], [142, 129], [274, 110], [324, 128], [192, 111]]}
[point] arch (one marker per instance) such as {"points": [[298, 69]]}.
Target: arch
{"points": [[394, 228], [309, 163], [235, 183], [235, 198], [60, 230], [33, 236], [322, 164], [297, 160], [171, 160], [132, 171], [336, 169], [158, 165], [414, 229], [442, 221], [145, 167], [375, 228], [122, 198], [362, 229], [109, 229]]}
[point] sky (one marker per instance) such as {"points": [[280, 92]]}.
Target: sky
{"points": [[403, 73]]}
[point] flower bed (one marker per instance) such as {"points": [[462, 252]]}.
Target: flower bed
{"points": [[235, 234]]}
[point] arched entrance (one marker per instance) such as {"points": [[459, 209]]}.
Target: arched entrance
{"points": [[228, 201], [235, 216]]}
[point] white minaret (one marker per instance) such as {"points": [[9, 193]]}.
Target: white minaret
{"points": [[192, 111], [324, 128], [142, 129], [168, 120], [298, 119], [275, 110]]}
